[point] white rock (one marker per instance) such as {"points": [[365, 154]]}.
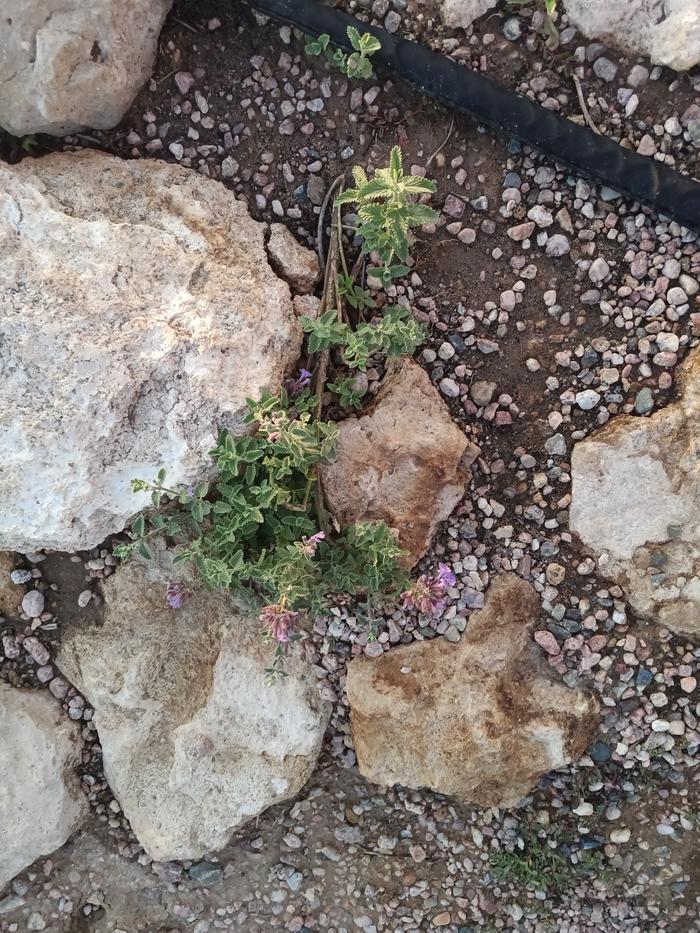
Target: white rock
{"points": [[41, 803], [33, 604], [636, 504], [598, 270], [291, 261], [462, 13], [587, 399], [195, 740], [64, 66], [147, 314], [667, 31]]}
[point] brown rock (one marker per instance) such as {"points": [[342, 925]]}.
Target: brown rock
{"points": [[293, 262], [10, 594], [404, 462], [481, 719]]}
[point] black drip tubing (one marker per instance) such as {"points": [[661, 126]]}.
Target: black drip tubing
{"points": [[638, 177]]}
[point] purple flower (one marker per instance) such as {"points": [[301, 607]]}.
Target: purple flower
{"points": [[302, 381], [175, 594], [445, 576], [427, 594], [279, 623], [309, 545]]}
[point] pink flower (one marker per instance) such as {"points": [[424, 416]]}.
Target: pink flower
{"points": [[175, 594], [279, 623], [427, 594], [309, 545]]}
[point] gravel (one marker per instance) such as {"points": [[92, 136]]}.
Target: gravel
{"points": [[558, 306]]}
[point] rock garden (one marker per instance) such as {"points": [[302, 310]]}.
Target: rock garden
{"points": [[350, 474]]}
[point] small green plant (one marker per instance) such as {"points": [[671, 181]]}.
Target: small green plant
{"points": [[355, 65], [254, 530], [537, 865], [395, 333], [29, 144], [387, 213], [346, 390], [358, 298]]}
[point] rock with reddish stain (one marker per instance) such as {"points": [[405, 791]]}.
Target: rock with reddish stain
{"points": [[481, 719], [403, 462]]}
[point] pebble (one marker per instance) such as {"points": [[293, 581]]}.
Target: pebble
{"points": [[21, 576], [557, 245], [587, 399], [605, 69], [644, 401], [33, 604], [598, 271], [620, 836], [482, 392], [449, 387]]}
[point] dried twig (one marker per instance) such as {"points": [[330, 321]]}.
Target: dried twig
{"points": [[321, 216], [443, 143], [586, 115]]}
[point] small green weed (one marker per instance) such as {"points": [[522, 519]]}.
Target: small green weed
{"points": [[395, 333], [355, 65], [538, 865], [387, 213], [255, 530]]}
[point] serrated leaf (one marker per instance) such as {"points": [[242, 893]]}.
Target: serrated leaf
{"points": [[138, 527], [354, 37]]}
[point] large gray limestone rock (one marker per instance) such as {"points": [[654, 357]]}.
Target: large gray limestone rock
{"points": [[68, 65], [636, 503], [138, 311], [41, 803], [195, 739]]}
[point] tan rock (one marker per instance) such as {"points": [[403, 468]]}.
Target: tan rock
{"points": [[481, 719], [41, 803], [306, 306], [195, 740], [667, 31], [293, 262], [64, 66], [636, 503], [404, 461], [10, 594], [147, 314]]}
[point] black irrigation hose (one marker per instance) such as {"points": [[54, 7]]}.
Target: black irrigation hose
{"points": [[638, 177]]}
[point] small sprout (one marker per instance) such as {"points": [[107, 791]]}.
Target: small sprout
{"points": [[355, 65], [387, 212]]}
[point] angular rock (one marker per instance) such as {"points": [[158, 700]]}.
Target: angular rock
{"points": [[666, 31], [403, 462], [194, 738], [636, 504], [67, 66], [293, 262], [481, 719], [41, 803], [456, 13], [137, 312]]}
